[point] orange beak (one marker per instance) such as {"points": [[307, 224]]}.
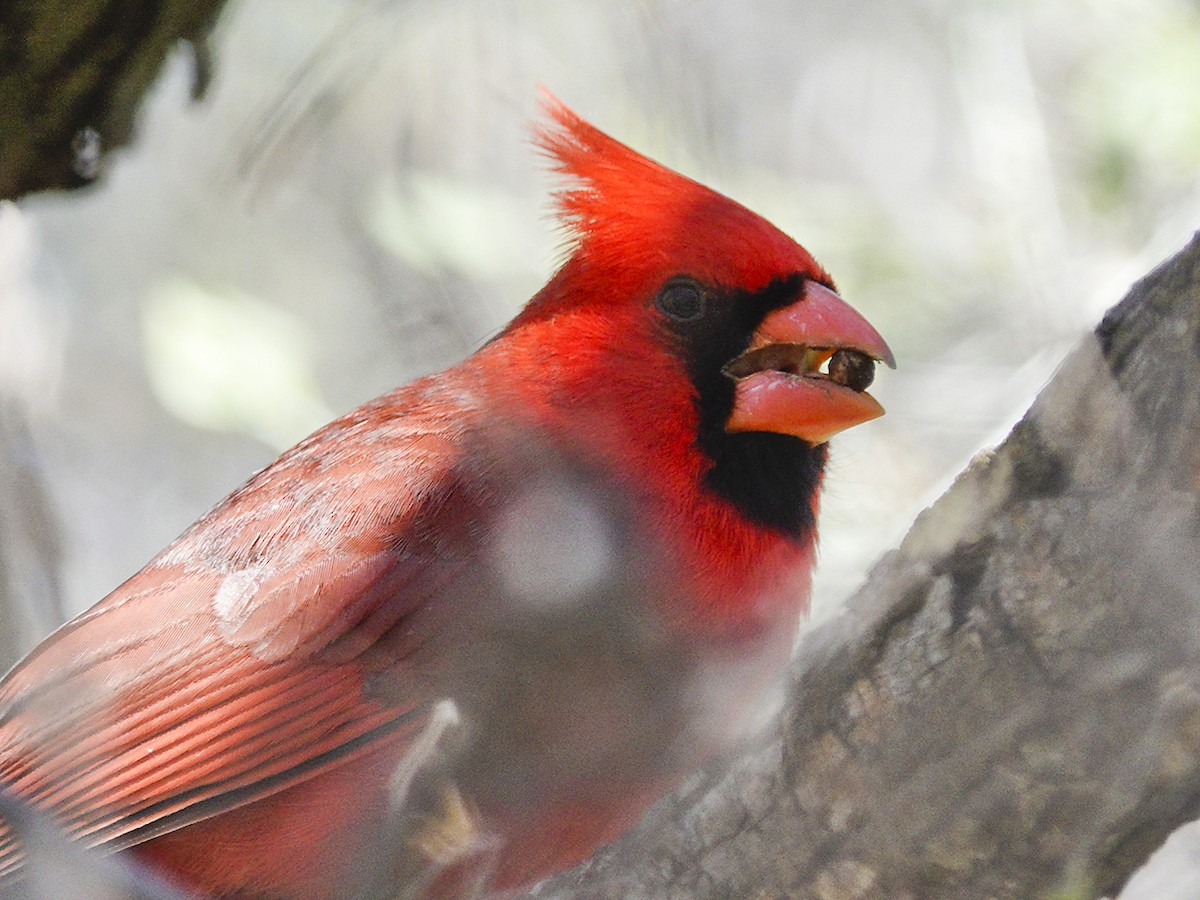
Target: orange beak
{"points": [[807, 369]]}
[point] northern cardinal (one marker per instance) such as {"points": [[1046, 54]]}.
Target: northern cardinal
{"points": [[495, 612]]}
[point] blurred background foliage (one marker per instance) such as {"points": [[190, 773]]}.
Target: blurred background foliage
{"points": [[356, 203]]}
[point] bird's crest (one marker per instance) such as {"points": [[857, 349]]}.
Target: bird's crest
{"points": [[610, 186], [621, 207]]}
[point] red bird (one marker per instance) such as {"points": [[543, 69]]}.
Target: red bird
{"points": [[593, 538]]}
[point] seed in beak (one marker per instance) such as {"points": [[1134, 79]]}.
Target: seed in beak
{"points": [[852, 369]]}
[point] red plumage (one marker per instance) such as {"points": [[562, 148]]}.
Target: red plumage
{"points": [[595, 536]]}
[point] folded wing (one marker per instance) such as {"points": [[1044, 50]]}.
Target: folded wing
{"points": [[228, 668]]}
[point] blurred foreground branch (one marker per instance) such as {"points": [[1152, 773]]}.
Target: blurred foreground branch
{"points": [[1010, 707], [72, 76]]}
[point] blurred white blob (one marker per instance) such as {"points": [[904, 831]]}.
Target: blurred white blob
{"points": [[736, 698], [231, 362], [553, 545]]}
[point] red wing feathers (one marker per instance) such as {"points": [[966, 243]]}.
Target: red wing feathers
{"points": [[208, 680]]}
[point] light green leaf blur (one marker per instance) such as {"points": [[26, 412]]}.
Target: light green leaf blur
{"points": [[435, 223], [231, 362]]}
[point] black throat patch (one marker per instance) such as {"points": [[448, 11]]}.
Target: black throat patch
{"points": [[769, 478]]}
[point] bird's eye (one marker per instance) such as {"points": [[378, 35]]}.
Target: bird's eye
{"points": [[682, 300]]}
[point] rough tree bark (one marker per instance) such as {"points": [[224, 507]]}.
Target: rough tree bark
{"points": [[72, 76], [1010, 706]]}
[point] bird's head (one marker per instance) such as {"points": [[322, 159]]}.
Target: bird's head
{"points": [[660, 267]]}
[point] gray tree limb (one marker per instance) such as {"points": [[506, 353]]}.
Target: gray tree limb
{"points": [[1010, 706]]}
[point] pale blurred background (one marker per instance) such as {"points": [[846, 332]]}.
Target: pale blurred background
{"points": [[356, 202]]}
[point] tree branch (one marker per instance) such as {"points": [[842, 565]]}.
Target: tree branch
{"points": [[72, 76], [1010, 707]]}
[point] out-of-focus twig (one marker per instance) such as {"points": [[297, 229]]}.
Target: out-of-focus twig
{"points": [[30, 554]]}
